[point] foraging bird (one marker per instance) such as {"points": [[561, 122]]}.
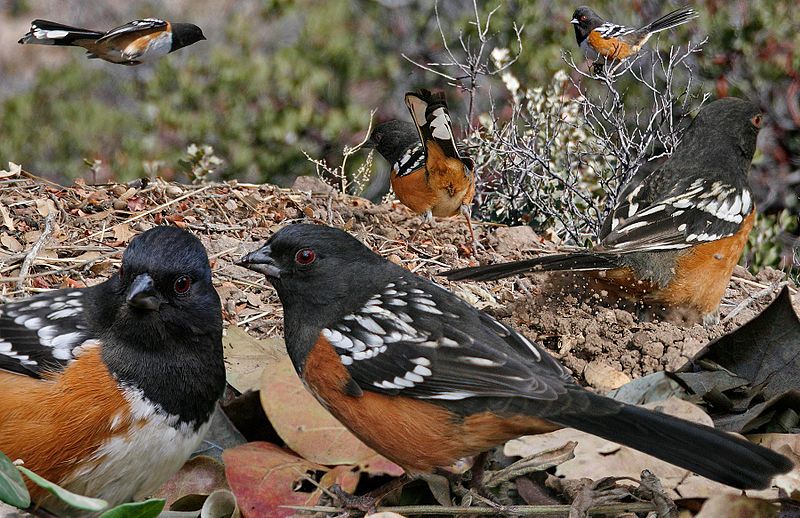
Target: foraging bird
{"points": [[425, 379], [599, 38], [134, 43], [674, 237], [108, 390], [429, 174]]}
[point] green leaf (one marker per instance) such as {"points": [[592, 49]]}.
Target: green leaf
{"points": [[80, 502], [147, 509], [12, 487]]}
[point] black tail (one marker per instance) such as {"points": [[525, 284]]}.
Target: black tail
{"points": [[708, 452], [575, 262], [670, 20], [44, 32], [432, 118]]}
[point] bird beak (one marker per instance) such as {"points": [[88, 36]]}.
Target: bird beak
{"points": [[574, 21], [142, 294], [260, 261]]}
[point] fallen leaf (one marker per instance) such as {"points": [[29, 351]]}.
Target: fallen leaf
{"points": [[7, 221], [736, 506], [653, 387], [788, 444], [308, 428], [11, 243], [199, 475], [245, 357], [45, 207], [765, 352], [264, 477], [123, 232], [13, 170], [136, 204]]}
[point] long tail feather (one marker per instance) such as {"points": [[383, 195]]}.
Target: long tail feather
{"points": [[708, 452], [45, 32], [548, 263], [673, 19]]}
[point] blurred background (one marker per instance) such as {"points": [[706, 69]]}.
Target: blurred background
{"points": [[279, 77]]}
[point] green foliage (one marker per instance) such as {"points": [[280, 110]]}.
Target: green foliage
{"points": [[77, 501], [12, 487], [146, 509]]}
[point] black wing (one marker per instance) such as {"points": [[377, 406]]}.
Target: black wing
{"points": [[416, 339], [411, 160], [43, 333], [146, 24], [655, 215]]}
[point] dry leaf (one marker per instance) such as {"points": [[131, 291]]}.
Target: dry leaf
{"points": [[736, 506], [13, 170], [123, 232], [245, 357], [604, 377], [7, 221], [11, 243], [45, 207]]}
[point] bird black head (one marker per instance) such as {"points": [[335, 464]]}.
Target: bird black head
{"points": [[184, 34], [318, 266], [726, 129], [585, 21], [163, 289], [392, 138]]}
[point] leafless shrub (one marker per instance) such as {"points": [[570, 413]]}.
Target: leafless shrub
{"points": [[338, 177], [561, 158]]}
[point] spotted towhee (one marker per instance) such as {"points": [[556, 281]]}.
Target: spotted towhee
{"points": [[601, 39], [675, 236], [429, 175], [425, 379], [107, 390], [130, 44]]}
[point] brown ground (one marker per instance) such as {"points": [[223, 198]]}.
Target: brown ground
{"points": [[93, 224]]}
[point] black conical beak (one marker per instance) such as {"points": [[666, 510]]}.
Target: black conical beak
{"points": [[261, 261], [142, 294]]}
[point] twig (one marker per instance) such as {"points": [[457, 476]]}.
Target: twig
{"points": [[772, 288], [35, 249], [518, 510]]}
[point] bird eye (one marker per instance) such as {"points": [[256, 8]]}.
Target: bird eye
{"points": [[305, 256], [584, 18], [182, 284], [757, 120]]}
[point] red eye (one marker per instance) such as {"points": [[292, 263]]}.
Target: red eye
{"points": [[305, 256], [583, 18], [757, 120], [182, 284]]}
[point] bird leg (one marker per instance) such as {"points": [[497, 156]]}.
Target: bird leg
{"points": [[427, 217], [467, 212]]}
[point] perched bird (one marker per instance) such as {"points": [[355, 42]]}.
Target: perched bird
{"points": [[425, 379], [108, 390], [429, 175], [674, 237], [134, 43], [601, 39]]}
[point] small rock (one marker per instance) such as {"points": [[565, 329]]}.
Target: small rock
{"points": [[603, 377], [514, 239], [312, 184], [654, 349]]}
